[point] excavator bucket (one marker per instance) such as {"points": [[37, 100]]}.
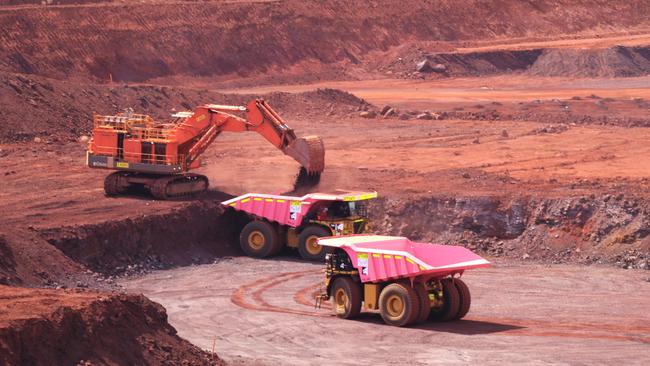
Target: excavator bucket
{"points": [[309, 151]]}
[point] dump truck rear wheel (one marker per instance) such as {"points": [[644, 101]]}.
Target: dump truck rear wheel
{"points": [[259, 239], [399, 304], [308, 243], [346, 298], [465, 298], [425, 304], [450, 302]]}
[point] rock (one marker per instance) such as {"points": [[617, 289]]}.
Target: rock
{"points": [[427, 66], [466, 175], [404, 116], [385, 109], [476, 141], [426, 116], [38, 140], [504, 133], [368, 114], [424, 66], [525, 256], [390, 112], [439, 68], [84, 138]]}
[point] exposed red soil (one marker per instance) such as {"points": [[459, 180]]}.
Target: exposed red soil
{"points": [[62, 111], [48, 327], [137, 42]]}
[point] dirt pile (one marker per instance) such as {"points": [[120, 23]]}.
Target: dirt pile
{"points": [[618, 61], [62, 111], [28, 260], [606, 229], [137, 42], [47, 327]]}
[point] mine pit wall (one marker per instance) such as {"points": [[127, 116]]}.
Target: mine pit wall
{"points": [[140, 41], [609, 229], [197, 233], [612, 230]]}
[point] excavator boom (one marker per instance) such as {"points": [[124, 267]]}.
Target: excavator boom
{"points": [[142, 150]]}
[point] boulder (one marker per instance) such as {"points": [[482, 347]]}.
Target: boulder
{"points": [[427, 66], [368, 114]]}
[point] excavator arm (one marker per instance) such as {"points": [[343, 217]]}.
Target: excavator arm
{"points": [[209, 121]]}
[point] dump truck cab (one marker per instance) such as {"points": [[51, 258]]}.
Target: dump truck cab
{"points": [[279, 221]]}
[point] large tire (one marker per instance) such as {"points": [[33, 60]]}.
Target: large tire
{"points": [[307, 246], [399, 305], [425, 304], [450, 303], [346, 298], [465, 298], [259, 239]]}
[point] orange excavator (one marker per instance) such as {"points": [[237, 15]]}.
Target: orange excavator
{"points": [[158, 156]]}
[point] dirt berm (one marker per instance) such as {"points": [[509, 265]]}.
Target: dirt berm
{"points": [[138, 42], [48, 327], [61, 111]]}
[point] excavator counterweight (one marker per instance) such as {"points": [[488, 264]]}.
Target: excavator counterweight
{"points": [[159, 155]]}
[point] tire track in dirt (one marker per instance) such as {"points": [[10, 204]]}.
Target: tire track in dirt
{"points": [[250, 296]]}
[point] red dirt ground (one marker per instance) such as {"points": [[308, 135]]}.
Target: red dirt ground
{"points": [[536, 154], [520, 313]]}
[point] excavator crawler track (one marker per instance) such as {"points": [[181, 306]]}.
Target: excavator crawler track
{"points": [[173, 186], [114, 184]]}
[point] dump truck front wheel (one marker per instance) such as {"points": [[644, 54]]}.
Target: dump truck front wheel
{"points": [[399, 304], [450, 302], [346, 298], [259, 239], [308, 242]]}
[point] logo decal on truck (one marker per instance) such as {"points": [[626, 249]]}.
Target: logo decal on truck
{"points": [[295, 207]]}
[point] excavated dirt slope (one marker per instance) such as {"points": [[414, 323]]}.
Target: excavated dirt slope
{"points": [[137, 42], [62, 111], [47, 327]]}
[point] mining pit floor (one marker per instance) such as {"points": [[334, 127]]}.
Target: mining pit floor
{"points": [[262, 312]]}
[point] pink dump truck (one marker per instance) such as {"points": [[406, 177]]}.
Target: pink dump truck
{"points": [[297, 222], [406, 282]]}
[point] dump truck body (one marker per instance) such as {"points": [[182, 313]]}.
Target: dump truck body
{"points": [[299, 221], [380, 258], [408, 282]]}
